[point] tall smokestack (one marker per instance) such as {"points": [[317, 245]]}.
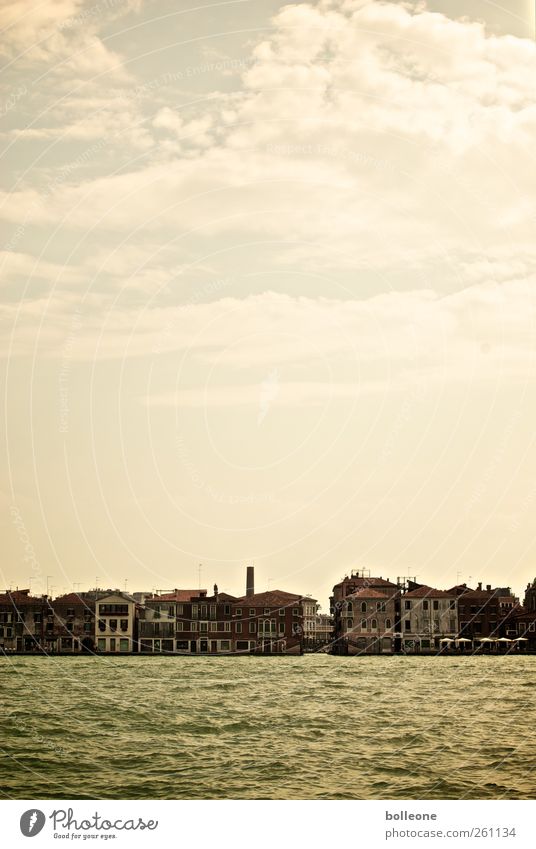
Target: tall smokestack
{"points": [[250, 581]]}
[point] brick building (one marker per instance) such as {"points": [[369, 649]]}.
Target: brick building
{"points": [[70, 623], [22, 621], [486, 614]]}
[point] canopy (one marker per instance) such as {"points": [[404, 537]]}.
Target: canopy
{"points": [[464, 640], [486, 640], [518, 639], [446, 640], [504, 640]]}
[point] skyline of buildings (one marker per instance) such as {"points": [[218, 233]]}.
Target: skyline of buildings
{"points": [[368, 615]]}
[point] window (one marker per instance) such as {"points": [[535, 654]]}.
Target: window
{"points": [[70, 611], [295, 611], [239, 611], [214, 626], [38, 618], [452, 604], [102, 625], [387, 623], [407, 625], [363, 607], [363, 624], [69, 626], [101, 644], [425, 604], [203, 627], [282, 612], [242, 645], [281, 627], [349, 607], [436, 604], [452, 625], [225, 645], [113, 609], [349, 623], [123, 644], [238, 628], [226, 609], [252, 611], [226, 626], [252, 627], [124, 624], [112, 644], [87, 627], [179, 626], [212, 611], [407, 605], [531, 626], [113, 624], [180, 609], [374, 624], [378, 605], [194, 626], [203, 611], [195, 611], [266, 611]]}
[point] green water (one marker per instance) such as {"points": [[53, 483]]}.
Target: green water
{"points": [[311, 727]]}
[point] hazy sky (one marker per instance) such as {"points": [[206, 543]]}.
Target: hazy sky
{"points": [[268, 292]]}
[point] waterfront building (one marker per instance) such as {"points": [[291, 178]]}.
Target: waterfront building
{"points": [[22, 621], [71, 622], [428, 618], [272, 622], [192, 621], [486, 614], [364, 623], [321, 633], [116, 623]]}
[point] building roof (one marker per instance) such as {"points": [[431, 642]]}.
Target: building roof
{"points": [[428, 592], [177, 595], [17, 597], [271, 598], [361, 581], [364, 592]]}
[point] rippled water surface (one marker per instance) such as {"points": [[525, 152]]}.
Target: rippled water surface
{"points": [[312, 727]]}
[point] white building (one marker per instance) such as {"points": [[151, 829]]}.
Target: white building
{"points": [[427, 616], [115, 623]]}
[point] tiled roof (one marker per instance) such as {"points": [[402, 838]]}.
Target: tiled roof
{"points": [[367, 582], [177, 595], [20, 597], [367, 593], [428, 592], [272, 598]]}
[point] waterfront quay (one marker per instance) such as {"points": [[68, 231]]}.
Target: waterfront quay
{"points": [[368, 616]]}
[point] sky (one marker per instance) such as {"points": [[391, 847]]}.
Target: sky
{"points": [[268, 293]]}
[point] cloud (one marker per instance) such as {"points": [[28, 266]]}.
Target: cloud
{"points": [[366, 135]]}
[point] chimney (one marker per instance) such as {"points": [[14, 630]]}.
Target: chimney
{"points": [[250, 581], [480, 585], [216, 591], [488, 587]]}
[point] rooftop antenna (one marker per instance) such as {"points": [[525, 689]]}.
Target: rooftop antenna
{"points": [[126, 582], [48, 579], [199, 568]]}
